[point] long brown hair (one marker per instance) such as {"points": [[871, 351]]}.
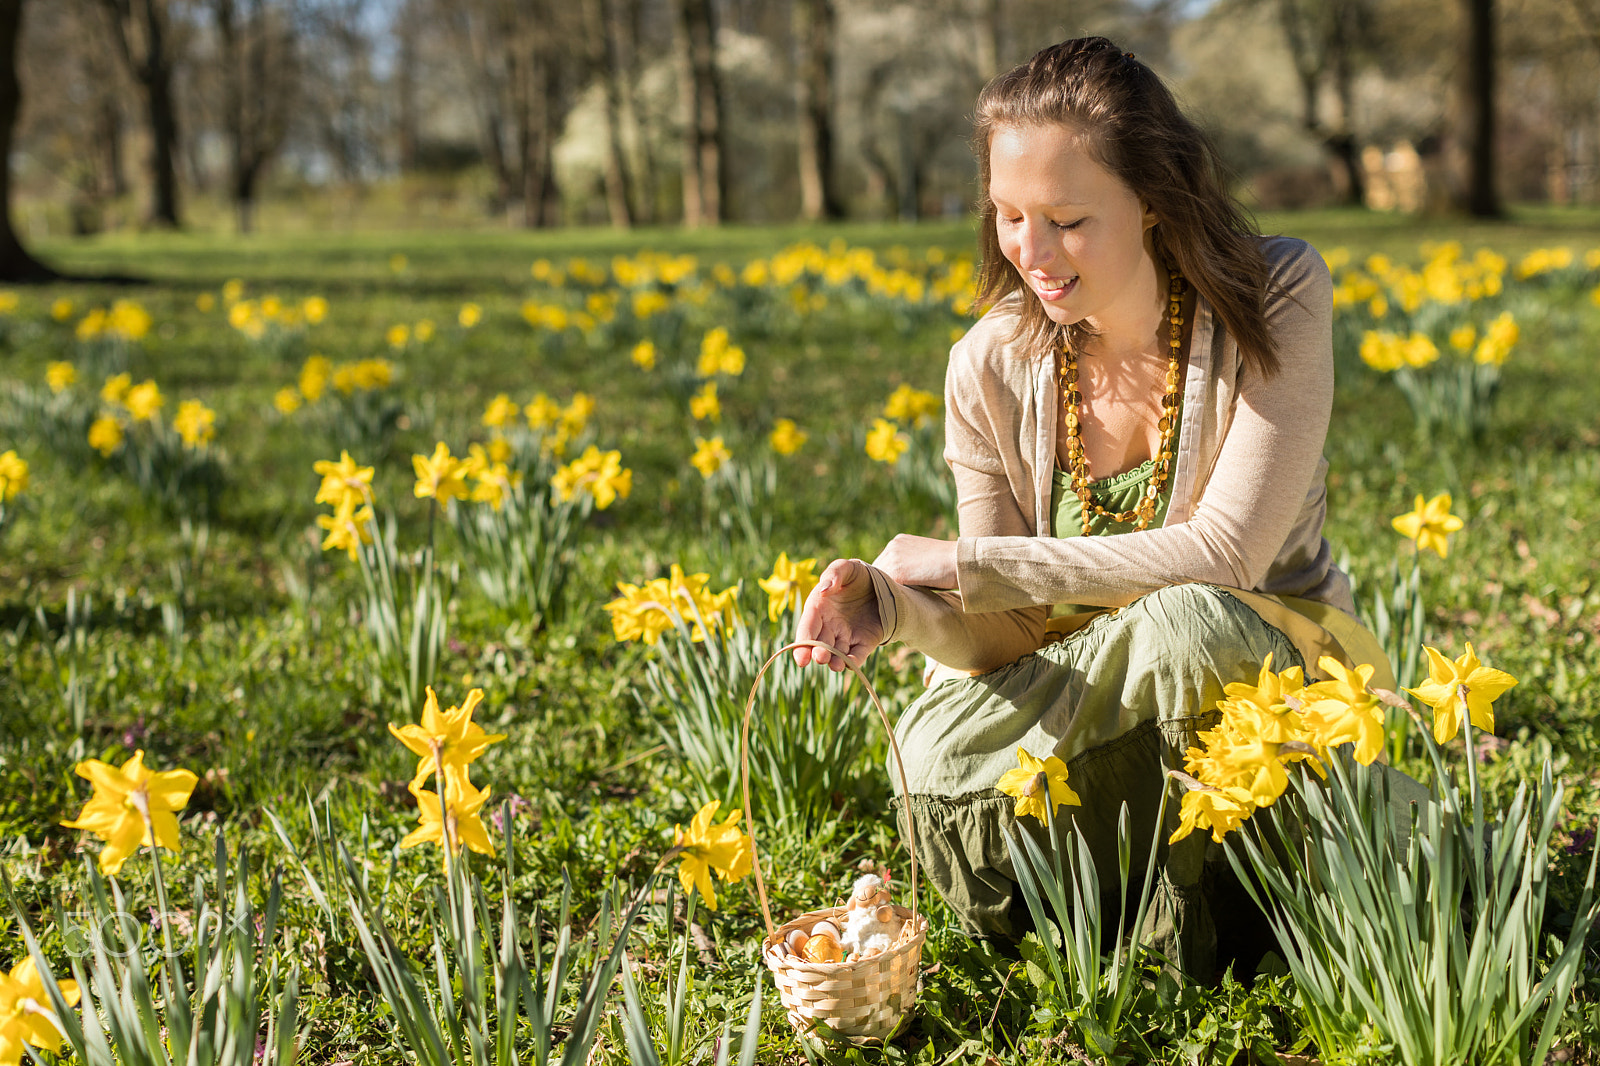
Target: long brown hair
{"points": [[1136, 131]]}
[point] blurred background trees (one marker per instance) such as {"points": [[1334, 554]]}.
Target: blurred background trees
{"points": [[540, 113]]}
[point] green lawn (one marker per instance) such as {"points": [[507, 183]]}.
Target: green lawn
{"points": [[227, 643]]}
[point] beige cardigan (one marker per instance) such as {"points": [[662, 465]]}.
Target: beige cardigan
{"points": [[1248, 489]]}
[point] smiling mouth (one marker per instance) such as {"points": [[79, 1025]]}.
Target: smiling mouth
{"points": [[1053, 286]]}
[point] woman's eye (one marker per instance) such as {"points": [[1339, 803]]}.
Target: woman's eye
{"points": [[1068, 225]]}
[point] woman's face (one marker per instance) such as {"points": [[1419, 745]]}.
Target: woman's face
{"points": [[1076, 234]]}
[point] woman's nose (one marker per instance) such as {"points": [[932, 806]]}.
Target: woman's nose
{"points": [[1033, 249]]}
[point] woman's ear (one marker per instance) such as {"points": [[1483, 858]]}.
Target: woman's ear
{"points": [[1150, 218]]}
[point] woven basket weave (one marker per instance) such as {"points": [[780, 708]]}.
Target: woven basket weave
{"points": [[867, 999]]}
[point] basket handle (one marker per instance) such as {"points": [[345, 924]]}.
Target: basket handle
{"points": [[744, 773]]}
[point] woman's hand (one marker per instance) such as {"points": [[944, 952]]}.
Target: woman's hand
{"points": [[923, 561], [842, 611]]}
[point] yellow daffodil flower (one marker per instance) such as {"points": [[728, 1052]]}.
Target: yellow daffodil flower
{"points": [[1342, 710], [709, 456], [786, 438], [704, 405], [13, 475], [144, 401], [644, 354], [128, 321], [345, 484], [132, 806], [500, 412], [598, 473], [26, 1017], [61, 309], [1463, 684], [348, 529], [60, 376], [456, 821], [470, 315], [397, 335], [885, 443], [541, 412], [423, 331], [105, 435], [196, 423], [789, 584], [449, 738], [1035, 782], [314, 376], [116, 388], [907, 404], [439, 476], [286, 400], [707, 847], [1429, 524], [315, 309], [1221, 810], [494, 480]]}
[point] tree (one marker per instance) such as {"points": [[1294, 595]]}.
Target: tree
{"points": [[1478, 103], [602, 26], [705, 180], [141, 34], [1323, 36], [257, 57], [15, 262], [814, 22]]}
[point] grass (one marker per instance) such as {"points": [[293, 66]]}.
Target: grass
{"points": [[267, 697]]}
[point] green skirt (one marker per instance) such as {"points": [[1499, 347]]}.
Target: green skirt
{"points": [[1119, 701]]}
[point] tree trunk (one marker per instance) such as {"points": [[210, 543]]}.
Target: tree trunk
{"points": [[144, 22], [987, 40], [1482, 199], [814, 23], [625, 26], [603, 60], [700, 90], [15, 262], [406, 88]]}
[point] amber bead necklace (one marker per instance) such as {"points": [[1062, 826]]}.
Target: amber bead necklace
{"points": [[1144, 512]]}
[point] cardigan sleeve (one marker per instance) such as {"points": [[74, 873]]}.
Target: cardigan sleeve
{"points": [[936, 621], [1270, 454]]}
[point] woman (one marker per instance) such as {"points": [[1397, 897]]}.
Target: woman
{"points": [[1136, 432]]}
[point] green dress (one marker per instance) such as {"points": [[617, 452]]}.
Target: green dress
{"points": [[1119, 700]]}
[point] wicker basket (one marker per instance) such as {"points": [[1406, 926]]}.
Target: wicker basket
{"points": [[864, 1000]]}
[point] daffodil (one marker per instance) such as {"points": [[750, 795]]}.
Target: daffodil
{"points": [[61, 309], [315, 309], [707, 846], [470, 315], [314, 375], [13, 475], [577, 413], [786, 438], [1429, 524], [541, 412], [26, 1017], [709, 455], [493, 479], [1036, 782], [195, 422], [704, 405], [116, 388], [454, 822], [449, 739], [1342, 710], [423, 331], [644, 355], [1221, 810], [500, 412], [601, 474], [397, 335], [348, 528], [885, 442], [439, 476], [143, 401], [286, 400], [131, 806], [60, 376], [345, 484], [1463, 684], [788, 585], [907, 404], [105, 435]]}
